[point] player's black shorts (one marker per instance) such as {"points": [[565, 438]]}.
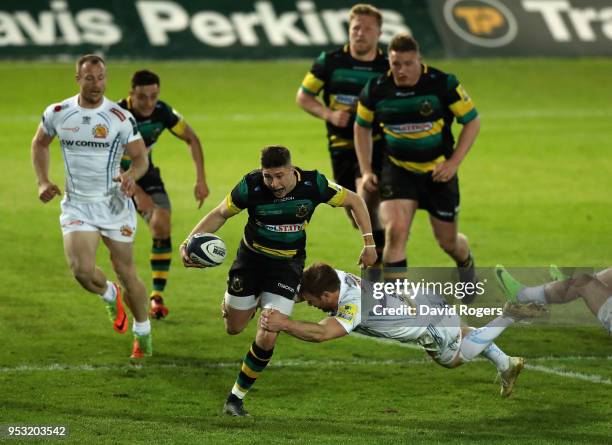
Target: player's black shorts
{"points": [[153, 186], [253, 273], [345, 165], [440, 199]]}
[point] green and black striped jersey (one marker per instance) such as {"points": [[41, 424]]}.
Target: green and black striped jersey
{"points": [[341, 77], [276, 226], [150, 128], [416, 121]]}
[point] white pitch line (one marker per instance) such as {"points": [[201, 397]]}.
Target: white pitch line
{"points": [[58, 367], [593, 378]]}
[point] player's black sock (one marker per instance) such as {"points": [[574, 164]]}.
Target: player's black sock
{"points": [[161, 256], [254, 363], [395, 270], [467, 274]]}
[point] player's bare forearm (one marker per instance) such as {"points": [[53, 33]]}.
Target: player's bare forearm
{"points": [[137, 152], [361, 216], [307, 331], [311, 105], [466, 139], [40, 155], [363, 147], [197, 154], [357, 206], [213, 220]]}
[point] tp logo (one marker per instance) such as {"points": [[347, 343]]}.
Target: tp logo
{"points": [[487, 23]]}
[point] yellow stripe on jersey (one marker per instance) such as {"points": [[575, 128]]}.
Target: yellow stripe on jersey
{"points": [[312, 84], [231, 207], [159, 274], [436, 127], [464, 105], [338, 199], [418, 167], [364, 115], [275, 252], [179, 128]]}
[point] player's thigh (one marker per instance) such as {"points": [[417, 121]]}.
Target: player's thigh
{"points": [[80, 250], [398, 212], [241, 297], [122, 256], [345, 168], [441, 199]]}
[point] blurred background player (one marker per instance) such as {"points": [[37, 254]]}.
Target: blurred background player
{"points": [[445, 338], [416, 104], [595, 291], [341, 75], [152, 201], [94, 132], [281, 200]]}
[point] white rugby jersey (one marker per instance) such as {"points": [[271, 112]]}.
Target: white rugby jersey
{"points": [[93, 141], [404, 328]]}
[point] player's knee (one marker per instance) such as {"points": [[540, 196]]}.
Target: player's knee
{"points": [[83, 274], [160, 229], [448, 245], [233, 329], [396, 231]]}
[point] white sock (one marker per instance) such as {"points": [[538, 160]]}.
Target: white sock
{"points": [[497, 356], [110, 294], [479, 339], [605, 315], [141, 328], [238, 392], [532, 295]]}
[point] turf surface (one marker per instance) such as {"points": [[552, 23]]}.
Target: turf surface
{"points": [[535, 190]]}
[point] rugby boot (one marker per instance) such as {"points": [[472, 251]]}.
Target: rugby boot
{"points": [[234, 407], [509, 376], [117, 313], [158, 310]]}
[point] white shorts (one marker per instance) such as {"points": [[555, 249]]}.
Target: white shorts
{"points": [[442, 341], [265, 300], [118, 224]]}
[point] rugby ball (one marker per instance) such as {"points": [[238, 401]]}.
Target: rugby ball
{"points": [[206, 249]]}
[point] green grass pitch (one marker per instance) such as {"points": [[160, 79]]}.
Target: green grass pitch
{"points": [[536, 189]]}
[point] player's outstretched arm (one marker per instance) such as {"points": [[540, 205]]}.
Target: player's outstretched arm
{"points": [[40, 161], [327, 329], [200, 190], [357, 206], [212, 222]]}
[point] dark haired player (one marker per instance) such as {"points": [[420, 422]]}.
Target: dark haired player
{"points": [[281, 200], [152, 201]]}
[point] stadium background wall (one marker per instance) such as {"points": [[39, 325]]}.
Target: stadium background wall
{"points": [[272, 29]]}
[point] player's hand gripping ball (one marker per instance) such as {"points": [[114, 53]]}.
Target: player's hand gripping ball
{"points": [[206, 249]]}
